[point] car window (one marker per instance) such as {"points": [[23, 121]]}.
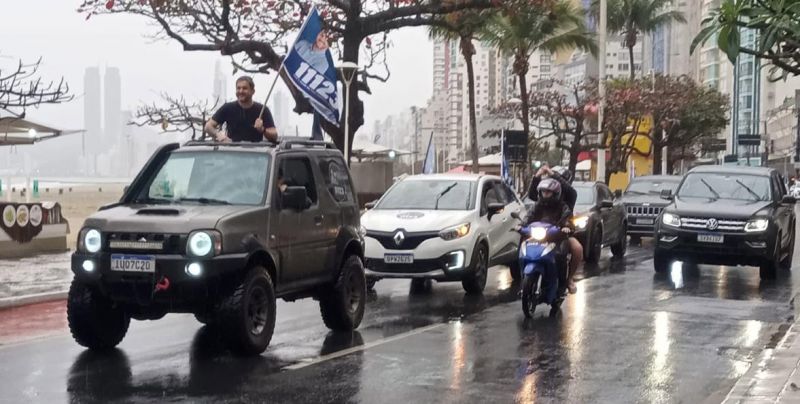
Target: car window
{"points": [[511, 197], [585, 195], [605, 194], [296, 172], [651, 186], [337, 181], [433, 194], [713, 186]]}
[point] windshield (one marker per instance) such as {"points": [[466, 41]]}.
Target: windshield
{"points": [[726, 186], [643, 187], [210, 177], [585, 196], [423, 194]]}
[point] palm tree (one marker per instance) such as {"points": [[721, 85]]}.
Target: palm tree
{"points": [[523, 31], [633, 17], [463, 26]]}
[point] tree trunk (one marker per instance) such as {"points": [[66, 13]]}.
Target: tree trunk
{"points": [[521, 68], [630, 53], [657, 151], [468, 50]]}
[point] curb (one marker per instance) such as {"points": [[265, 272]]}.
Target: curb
{"points": [[16, 301]]}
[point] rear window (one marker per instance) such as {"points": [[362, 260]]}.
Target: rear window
{"points": [[337, 181]]}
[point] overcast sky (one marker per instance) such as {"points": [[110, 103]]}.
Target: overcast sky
{"points": [[67, 43]]}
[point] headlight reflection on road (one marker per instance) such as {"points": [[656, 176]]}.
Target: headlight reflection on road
{"points": [[750, 334], [505, 280], [459, 355], [659, 373], [676, 274]]}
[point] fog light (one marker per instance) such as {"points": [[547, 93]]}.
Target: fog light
{"points": [[668, 239], [455, 260], [757, 244], [88, 266], [194, 269]]}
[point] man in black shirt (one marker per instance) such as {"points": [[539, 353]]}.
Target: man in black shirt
{"points": [[242, 118]]}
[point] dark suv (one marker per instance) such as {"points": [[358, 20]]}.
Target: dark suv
{"points": [[221, 231], [643, 203], [727, 216]]}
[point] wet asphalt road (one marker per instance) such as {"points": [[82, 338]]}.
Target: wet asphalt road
{"points": [[626, 336]]}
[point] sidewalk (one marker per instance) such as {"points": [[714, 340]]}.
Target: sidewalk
{"points": [[774, 377], [34, 279]]}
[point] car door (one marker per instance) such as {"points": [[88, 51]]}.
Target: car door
{"points": [[784, 212], [336, 188], [495, 225], [606, 213], [513, 205], [300, 235]]}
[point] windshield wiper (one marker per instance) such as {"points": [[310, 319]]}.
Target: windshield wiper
{"points": [[441, 194], [205, 201], [635, 192], [710, 188], [750, 190]]}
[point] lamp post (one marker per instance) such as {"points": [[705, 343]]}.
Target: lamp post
{"points": [[601, 151], [516, 103], [348, 72]]}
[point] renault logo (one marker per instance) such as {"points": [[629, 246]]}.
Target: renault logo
{"points": [[399, 237], [712, 224]]}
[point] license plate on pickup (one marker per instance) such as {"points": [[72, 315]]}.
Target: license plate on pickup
{"points": [[398, 258], [711, 238], [133, 263], [648, 222]]}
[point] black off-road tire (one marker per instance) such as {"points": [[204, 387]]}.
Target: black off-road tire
{"points": [[530, 294], [620, 247], [768, 269], [94, 320], [786, 263], [661, 262], [594, 245], [247, 315], [342, 306], [475, 281], [515, 269]]}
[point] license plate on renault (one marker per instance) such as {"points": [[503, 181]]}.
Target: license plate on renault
{"points": [[398, 258], [711, 238], [133, 263]]}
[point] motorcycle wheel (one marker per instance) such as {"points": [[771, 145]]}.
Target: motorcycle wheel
{"points": [[530, 294]]}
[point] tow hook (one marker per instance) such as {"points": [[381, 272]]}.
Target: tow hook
{"points": [[162, 284]]}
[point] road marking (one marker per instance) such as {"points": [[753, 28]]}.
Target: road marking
{"points": [[364, 347]]}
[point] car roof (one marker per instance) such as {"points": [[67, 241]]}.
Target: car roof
{"points": [[585, 183], [732, 170], [450, 177], [288, 143], [658, 178]]}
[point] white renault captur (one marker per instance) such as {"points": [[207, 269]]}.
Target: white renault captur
{"points": [[445, 227]]}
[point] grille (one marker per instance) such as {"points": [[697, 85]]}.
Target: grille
{"points": [[411, 241], [165, 243], [722, 224], [639, 210]]}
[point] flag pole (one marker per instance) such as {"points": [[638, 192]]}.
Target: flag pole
{"points": [[269, 94]]}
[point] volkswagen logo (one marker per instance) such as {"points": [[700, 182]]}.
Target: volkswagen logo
{"points": [[712, 224], [399, 237]]}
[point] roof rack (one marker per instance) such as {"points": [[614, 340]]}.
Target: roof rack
{"points": [[289, 142], [228, 144]]}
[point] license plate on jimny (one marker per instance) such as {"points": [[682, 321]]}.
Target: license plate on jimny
{"points": [[398, 258], [133, 263], [648, 222], [711, 238]]}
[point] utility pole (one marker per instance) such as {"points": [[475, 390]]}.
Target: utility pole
{"points": [[601, 151]]}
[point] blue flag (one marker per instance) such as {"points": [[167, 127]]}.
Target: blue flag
{"points": [[429, 165], [310, 67]]}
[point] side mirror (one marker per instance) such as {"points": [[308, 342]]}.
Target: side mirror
{"points": [[618, 194], [495, 208], [666, 194], [789, 200], [606, 205], [370, 205], [294, 198], [515, 215]]}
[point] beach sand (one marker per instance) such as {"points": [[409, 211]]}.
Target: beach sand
{"points": [[76, 205]]}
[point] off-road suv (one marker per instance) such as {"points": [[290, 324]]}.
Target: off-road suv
{"points": [[221, 231]]}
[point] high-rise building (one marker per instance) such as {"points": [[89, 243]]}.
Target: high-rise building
{"points": [[92, 110], [112, 125], [220, 92]]}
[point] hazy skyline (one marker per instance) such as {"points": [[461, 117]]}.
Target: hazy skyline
{"points": [[68, 44]]}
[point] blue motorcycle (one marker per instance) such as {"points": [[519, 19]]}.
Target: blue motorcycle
{"points": [[540, 257]]}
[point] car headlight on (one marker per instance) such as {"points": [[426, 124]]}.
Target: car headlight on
{"points": [[580, 222], [671, 220], [90, 240], [452, 233], [538, 233], [205, 243], [756, 225]]}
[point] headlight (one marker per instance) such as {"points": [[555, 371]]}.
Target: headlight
{"points": [[538, 233], [756, 225], [204, 243], [671, 220], [452, 233], [90, 241], [580, 222]]}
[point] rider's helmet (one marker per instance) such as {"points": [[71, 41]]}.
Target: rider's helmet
{"points": [[565, 173], [549, 184]]}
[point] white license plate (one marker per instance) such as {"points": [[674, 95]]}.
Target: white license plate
{"points": [[133, 263], [711, 238], [645, 221], [398, 258]]}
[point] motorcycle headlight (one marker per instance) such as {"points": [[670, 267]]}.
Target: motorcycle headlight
{"points": [[452, 233], [581, 222], [538, 233], [671, 220], [90, 241], [204, 243], [756, 225]]}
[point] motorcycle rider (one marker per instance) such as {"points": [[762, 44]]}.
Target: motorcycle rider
{"points": [[551, 208], [568, 196]]}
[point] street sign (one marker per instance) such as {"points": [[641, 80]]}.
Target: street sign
{"points": [[749, 140], [731, 158], [517, 144], [715, 145]]}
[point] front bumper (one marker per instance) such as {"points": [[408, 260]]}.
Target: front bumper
{"points": [[736, 249], [140, 287], [433, 259]]}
